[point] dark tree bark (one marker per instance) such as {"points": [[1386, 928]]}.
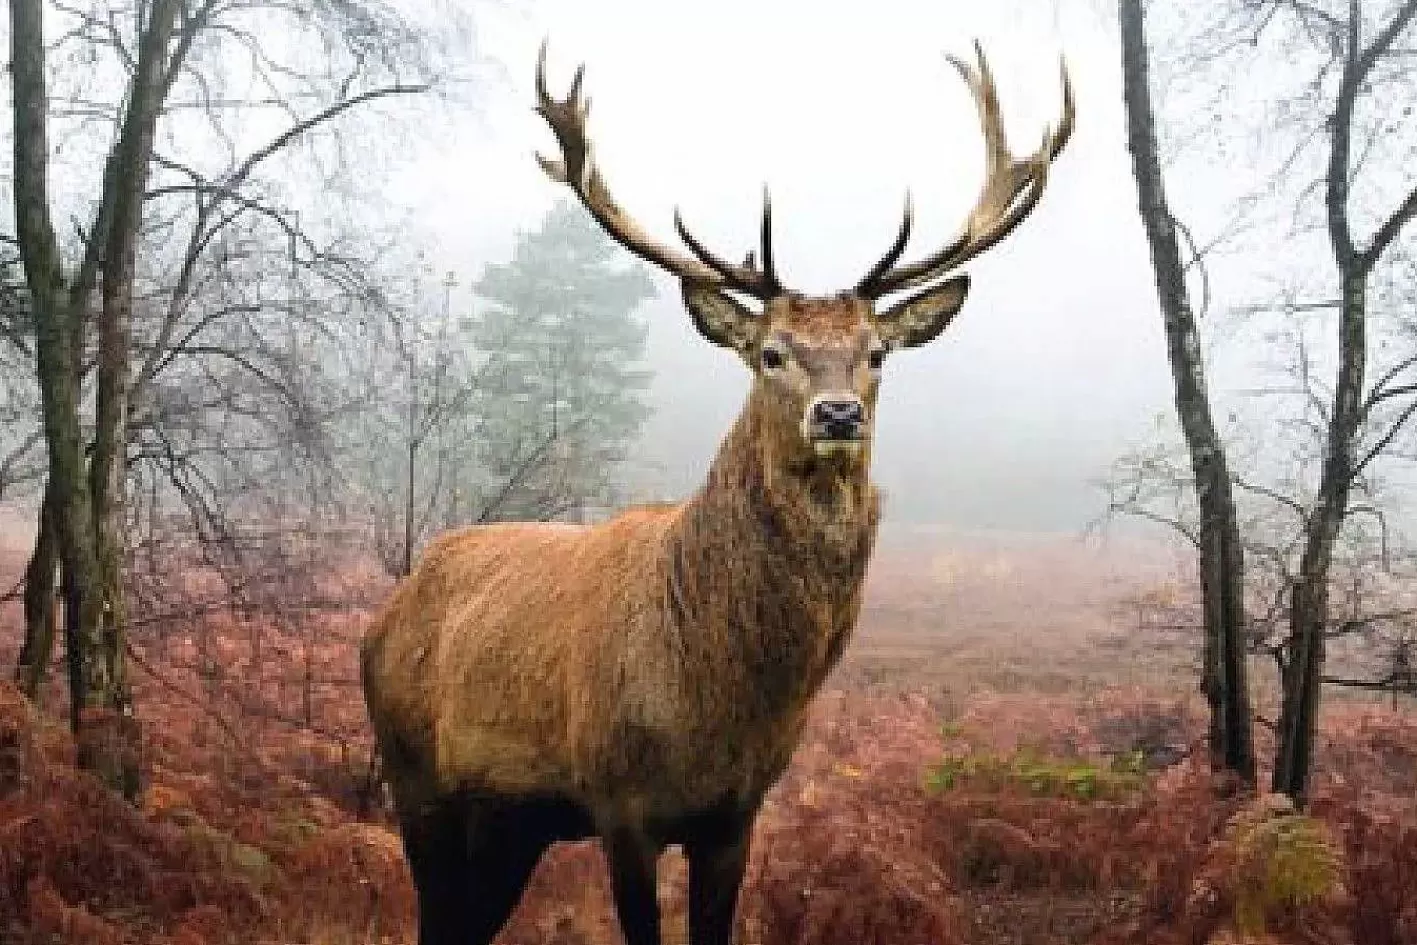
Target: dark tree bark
{"points": [[58, 312], [41, 606], [83, 498], [1221, 557], [411, 467], [1303, 662], [107, 469]]}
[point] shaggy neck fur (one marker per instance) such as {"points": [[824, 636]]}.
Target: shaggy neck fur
{"points": [[765, 566]]}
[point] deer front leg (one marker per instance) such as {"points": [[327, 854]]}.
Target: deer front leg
{"points": [[634, 860], [718, 858]]}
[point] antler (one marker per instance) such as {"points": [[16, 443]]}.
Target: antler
{"points": [[1011, 190], [577, 170]]}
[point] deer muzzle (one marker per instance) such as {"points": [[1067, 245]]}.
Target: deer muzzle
{"points": [[835, 420]]}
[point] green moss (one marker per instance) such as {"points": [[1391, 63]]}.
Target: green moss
{"points": [[951, 730]]}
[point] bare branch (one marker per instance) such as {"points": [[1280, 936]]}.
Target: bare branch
{"points": [[1381, 391], [1386, 439], [285, 138], [1388, 232], [1400, 681], [1198, 261], [1386, 37], [1282, 499], [102, 32]]}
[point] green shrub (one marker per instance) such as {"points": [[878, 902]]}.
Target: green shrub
{"points": [[1040, 776], [1282, 861]]}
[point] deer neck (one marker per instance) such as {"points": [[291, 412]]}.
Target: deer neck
{"points": [[766, 563]]}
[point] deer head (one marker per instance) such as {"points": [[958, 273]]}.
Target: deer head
{"points": [[820, 357]]}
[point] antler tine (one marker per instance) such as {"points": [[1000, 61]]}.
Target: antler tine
{"points": [[1064, 132], [577, 170], [986, 100], [883, 265], [719, 266], [575, 91], [1012, 187], [769, 269], [761, 283]]}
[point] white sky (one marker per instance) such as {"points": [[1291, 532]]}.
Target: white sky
{"points": [[1056, 362]]}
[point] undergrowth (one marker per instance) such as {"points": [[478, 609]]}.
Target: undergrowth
{"points": [[1076, 778], [1069, 820], [1283, 862]]}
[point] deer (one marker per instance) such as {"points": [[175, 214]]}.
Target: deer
{"points": [[645, 680]]}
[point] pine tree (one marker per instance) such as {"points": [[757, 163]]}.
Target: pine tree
{"points": [[561, 394]]}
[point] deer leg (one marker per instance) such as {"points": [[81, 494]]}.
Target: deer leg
{"points": [[504, 844], [471, 861], [718, 857], [434, 844], [634, 860]]}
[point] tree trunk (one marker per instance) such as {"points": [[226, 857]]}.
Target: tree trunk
{"points": [[73, 604], [412, 464], [406, 566], [41, 606], [1221, 565], [1302, 674], [85, 504], [58, 336], [108, 468]]}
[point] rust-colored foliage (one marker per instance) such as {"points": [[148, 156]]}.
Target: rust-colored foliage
{"points": [[249, 832], [815, 879]]}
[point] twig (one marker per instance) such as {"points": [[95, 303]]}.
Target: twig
{"points": [[186, 696], [14, 593]]}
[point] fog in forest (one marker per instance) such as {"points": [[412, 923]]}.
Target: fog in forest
{"points": [[1057, 361], [318, 392]]}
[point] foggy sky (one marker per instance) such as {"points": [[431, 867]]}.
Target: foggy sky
{"points": [[1057, 361]]}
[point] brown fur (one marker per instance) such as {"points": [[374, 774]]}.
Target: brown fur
{"points": [[645, 679], [646, 667]]}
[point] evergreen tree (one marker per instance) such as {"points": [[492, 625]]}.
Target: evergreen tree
{"points": [[560, 396]]}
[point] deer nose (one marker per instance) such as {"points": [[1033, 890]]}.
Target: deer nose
{"points": [[838, 419]]}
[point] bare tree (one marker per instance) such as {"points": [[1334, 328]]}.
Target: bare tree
{"points": [[522, 410], [435, 397], [1314, 517], [434, 455], [170, 58], [1352, 401], [1220, 551], [102, 709], [410, 435]]}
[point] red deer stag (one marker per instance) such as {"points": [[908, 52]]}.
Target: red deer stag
{"points": [[645, 680]]}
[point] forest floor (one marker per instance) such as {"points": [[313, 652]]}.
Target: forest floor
{"points": [[1006, 757]]}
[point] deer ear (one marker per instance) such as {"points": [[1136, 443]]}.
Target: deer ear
{"points": [[721, 318], [919, 318]]}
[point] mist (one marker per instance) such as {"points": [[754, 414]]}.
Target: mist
{"points": [[1055, 364], [319, 397]]}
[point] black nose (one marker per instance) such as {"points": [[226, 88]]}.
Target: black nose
{"points": [[838, 419]]}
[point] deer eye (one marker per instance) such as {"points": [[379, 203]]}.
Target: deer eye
{"points": [[771, 357], [876, 358]]}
